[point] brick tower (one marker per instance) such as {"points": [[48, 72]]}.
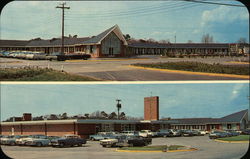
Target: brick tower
{"points": [[151, 108]]}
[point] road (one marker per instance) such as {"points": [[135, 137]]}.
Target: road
{"points": [[119, 70], [207, 149]]}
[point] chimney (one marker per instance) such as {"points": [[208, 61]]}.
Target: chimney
{"points": [[27, 116]]}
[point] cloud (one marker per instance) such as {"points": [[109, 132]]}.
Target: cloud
{"points": [[224, 14], [236, 91]]}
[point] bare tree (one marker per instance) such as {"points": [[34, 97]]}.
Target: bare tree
{"points": [[207, 38], [189, 41], [164, 41]]}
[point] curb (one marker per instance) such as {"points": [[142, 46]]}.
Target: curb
{"points": [[191, 149], [104, 60], [236, 62], [231, 141], [192, 73]]}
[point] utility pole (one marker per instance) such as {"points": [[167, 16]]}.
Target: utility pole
{"points": [[62, 7], [119, 106]]}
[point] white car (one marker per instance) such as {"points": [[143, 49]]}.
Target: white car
{"points": [[146, 133], [38, 141]]}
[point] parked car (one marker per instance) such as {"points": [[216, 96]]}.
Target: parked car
{"points": [[203, 132], [38, 140], [101, 136], [124, 140], [10, 140], [130, 133], [23, 140], [217, 134], [245, 132], [164, 133], [187, 133], [68, 140], [196, 132], [232, 133], [175, 132], [147, 133]]}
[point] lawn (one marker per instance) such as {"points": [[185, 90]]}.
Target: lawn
{"points": [[236, 138], [200, 67], [39, 74], [153, 148]]}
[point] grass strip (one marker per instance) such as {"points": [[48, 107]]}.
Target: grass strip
{"points": [[39, 74], [199, 67], [236, 138]]}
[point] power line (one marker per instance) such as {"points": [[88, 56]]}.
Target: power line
{"points": [[216, 3]]}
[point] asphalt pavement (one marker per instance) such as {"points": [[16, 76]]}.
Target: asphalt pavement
{"points": [[118, 69], [206, 149]]}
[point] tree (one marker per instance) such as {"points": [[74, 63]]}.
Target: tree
{"points": [[86, 115], [104, 114], [64, 116], [189, 41], [242, 40], [164, 41], [112, 115], [122, 116], [127, 37], [207, 38]]}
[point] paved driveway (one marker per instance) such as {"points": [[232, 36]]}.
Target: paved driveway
{"points": [[119, 70], [207, 149]]}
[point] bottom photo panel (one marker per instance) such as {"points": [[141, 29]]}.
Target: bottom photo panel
{"points": [[119, 120]]}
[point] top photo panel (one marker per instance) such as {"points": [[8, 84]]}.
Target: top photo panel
{"points": [[172, 40]]}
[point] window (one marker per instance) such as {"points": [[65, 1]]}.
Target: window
{"points": [[111, 51], [91, 49]]}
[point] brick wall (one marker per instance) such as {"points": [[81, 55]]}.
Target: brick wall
{"points": [[151, 108]]}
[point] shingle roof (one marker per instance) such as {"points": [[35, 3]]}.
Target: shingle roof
{"points": [[13, 42], [99, 37], [57, 41], [178, 45], [235, 117]]}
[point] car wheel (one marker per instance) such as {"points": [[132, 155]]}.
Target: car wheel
{"points": [[12, 144], [38, 144], [61, 144]]}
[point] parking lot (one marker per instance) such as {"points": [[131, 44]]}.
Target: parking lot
{"points": [[207, 148], [118, 69]]}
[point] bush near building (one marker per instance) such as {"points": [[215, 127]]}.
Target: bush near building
{"points": [[200, 67], [39, 74]]}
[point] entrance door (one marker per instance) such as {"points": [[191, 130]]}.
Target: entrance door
{"points": [[111, 51]]}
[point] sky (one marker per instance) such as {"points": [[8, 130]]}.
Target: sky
{"points": [[184, 100], [160, 20]]}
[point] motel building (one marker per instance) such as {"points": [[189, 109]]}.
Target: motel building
{"points": [[111, 43], [85, 127]]}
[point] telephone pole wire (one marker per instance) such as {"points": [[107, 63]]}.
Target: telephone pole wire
{"points": [[62, 7]]}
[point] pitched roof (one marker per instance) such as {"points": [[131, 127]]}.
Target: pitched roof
{"points": [[235, 117], [97, 39]]}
